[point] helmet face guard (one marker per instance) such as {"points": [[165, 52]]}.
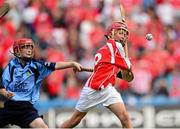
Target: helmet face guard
{"points": [[23, 42], [116, 26]]}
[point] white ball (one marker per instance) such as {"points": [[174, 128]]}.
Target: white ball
{"points": [[149, 37]]}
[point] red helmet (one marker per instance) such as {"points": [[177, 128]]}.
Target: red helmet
{"points": [[116, 26], [21, 42]]}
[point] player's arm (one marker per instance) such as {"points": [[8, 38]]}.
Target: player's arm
{"points": [[4, 96], [125, 71], [63, 65], [4, 80]]}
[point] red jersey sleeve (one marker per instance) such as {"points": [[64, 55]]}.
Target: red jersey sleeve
{"points": [[118, 55]]}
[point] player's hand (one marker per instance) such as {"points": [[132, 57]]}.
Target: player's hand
{"points": [[10, 94], [127, 75], [7, 94], [77, 67]]}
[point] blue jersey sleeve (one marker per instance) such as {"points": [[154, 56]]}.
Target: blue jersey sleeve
{"points": [[45, 68], [6, 76], [1, 85]]}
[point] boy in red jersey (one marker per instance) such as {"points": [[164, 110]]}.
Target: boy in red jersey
{"points": [[110, 61]]}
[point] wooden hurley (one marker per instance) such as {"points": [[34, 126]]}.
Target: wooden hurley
{"points": [[122, 12], [4, 10], [87, 69]]}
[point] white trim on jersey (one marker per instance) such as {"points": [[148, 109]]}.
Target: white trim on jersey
{"points": [[128, 62], [122, 53], [112, 52], [120, 49]]}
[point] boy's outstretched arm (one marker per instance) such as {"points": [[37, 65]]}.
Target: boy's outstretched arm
{"points": [[63, 65]]}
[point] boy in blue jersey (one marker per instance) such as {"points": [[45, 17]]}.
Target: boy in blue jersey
{"points": [[23, 77]]}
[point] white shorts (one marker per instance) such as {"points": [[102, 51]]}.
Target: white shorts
{"points": [[90, 98]]}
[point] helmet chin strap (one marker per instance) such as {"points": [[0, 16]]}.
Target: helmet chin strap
{"points": [[14, 54]]}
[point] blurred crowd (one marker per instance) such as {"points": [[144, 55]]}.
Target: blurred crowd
{"points": [[67, 30]]}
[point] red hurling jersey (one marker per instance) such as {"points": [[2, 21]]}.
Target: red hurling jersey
{"points": [[108, 60]]}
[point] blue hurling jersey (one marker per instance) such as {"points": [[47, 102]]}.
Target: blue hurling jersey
{"points": [[25, 81]]}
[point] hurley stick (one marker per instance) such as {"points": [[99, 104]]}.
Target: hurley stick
{"points": [[87, 69], [122, 12], [4, 9]]}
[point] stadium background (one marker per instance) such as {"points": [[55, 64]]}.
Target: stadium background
{"points": [[67, 30]]}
